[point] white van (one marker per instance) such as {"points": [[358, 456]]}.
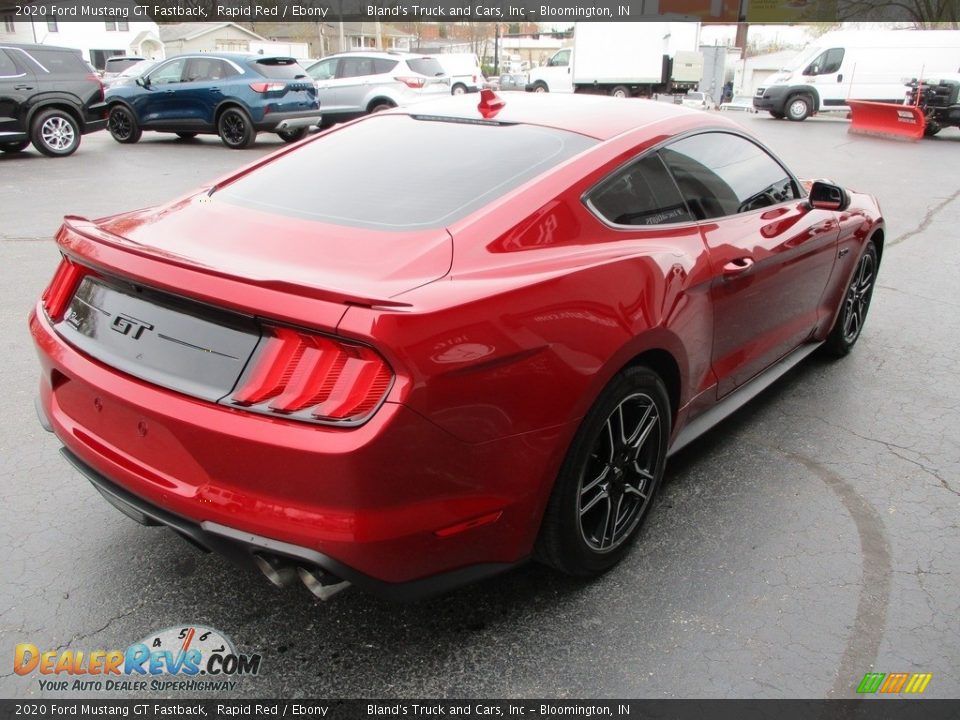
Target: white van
{"points": [[857, 65], [464, 71]]}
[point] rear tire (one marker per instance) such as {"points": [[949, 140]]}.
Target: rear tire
{"points": [[856, 303], [236, 129], [55, 133], [123, 125], [609, 477], [798, 108], [14, 147], [381, 105], [458, 89], [620, 91]]}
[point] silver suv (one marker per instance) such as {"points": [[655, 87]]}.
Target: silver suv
{"points": [[356, 83]]}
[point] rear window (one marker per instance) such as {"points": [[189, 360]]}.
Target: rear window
{"points": [[426, 66], [395, 172], [60, 61], [279, 68], [117, 64]]}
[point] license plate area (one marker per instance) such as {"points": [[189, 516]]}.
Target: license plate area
{"points": [[168, 341]]}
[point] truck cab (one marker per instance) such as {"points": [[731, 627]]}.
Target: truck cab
{"points": [[555, 76]]}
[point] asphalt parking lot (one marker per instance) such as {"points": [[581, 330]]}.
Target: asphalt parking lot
{"points": [[811, 539]]}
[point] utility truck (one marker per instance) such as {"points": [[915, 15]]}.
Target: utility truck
{"points": [[624, 59]]}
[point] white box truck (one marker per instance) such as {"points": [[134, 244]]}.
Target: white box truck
{"points": [[624, 59], [857, 65]]}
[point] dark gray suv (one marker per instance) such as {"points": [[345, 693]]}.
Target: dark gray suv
{"points": [[48, 96]]}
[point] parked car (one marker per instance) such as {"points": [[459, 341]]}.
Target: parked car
{"points": [[743, 103], [364, 363], [356, 83], [694, 99], [48, 96], [233, 95], [115, 65], [464, 70], [513, 81], [130, 74]]}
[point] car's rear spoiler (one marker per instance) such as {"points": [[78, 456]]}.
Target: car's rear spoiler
{"points": [[77, 230]]}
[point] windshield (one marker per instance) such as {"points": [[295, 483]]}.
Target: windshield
{"points": [[396, 172], [802, 59]]}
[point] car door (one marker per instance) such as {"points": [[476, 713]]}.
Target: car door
{"points": [[558, 72], [158, 103], [201, 91], [824, 74], [324, 74], [17, 84], [353, 79], [771, 253]]}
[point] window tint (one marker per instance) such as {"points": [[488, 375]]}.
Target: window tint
{"points": [[382, 65], [279, 68], [426, 66], [721, 174], [207, 69], [168, 73], [323, 70], [641, 194], [355, 67], [60, 62], [395, 172], [7, 67]]}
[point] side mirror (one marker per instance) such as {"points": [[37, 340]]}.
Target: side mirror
{"points": [[828, 197], [143, 81]]}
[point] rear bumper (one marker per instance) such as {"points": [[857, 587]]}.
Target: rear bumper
{"points": [[385, 504], [275, 122]]}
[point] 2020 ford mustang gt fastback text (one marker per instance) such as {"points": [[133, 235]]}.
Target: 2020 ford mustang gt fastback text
{"points": [[430, 344]]}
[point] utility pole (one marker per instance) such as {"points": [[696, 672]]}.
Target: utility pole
{"points": [[496, 49]]}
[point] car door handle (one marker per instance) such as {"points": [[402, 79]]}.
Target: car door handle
{"points": [[820, 228], [738, 266], [840, 77], [23, 87], [214, 89]]}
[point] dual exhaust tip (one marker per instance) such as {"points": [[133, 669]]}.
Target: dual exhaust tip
{"points": [[282, 574]]}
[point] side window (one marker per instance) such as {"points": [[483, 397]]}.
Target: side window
{"points": [[207, 70], [382, 65], [641, 194], [826, 63], [561, 59], [168, 73], [355, 67], [324, 70], [722, 174], [7, 66]]}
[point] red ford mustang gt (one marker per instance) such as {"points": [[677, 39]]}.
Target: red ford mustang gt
{"points": [[427, 345]]}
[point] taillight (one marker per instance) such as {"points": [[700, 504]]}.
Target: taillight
{"points": [[96, 78], [314, 378], [412, 82], [266, 87], [61, 288]]}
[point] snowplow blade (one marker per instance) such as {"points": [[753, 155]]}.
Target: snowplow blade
{"points": [[902, 122]]}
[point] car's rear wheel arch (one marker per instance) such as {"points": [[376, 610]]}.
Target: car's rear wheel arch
{"points": [[877, 239], [223, 107], [66, 107], [666, 367]]}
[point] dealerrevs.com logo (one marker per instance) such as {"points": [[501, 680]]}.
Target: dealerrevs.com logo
{"points": [[192, 658]]}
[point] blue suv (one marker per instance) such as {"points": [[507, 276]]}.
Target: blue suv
{"points": [[234, 95]]}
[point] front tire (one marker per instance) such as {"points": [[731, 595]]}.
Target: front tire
{"points": [[540, 87], [123, 125], [799, 108], [776, 115], [14, 147], [856, 303], [55, 133], [236, 129], [610, 476], [289, 136]]}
